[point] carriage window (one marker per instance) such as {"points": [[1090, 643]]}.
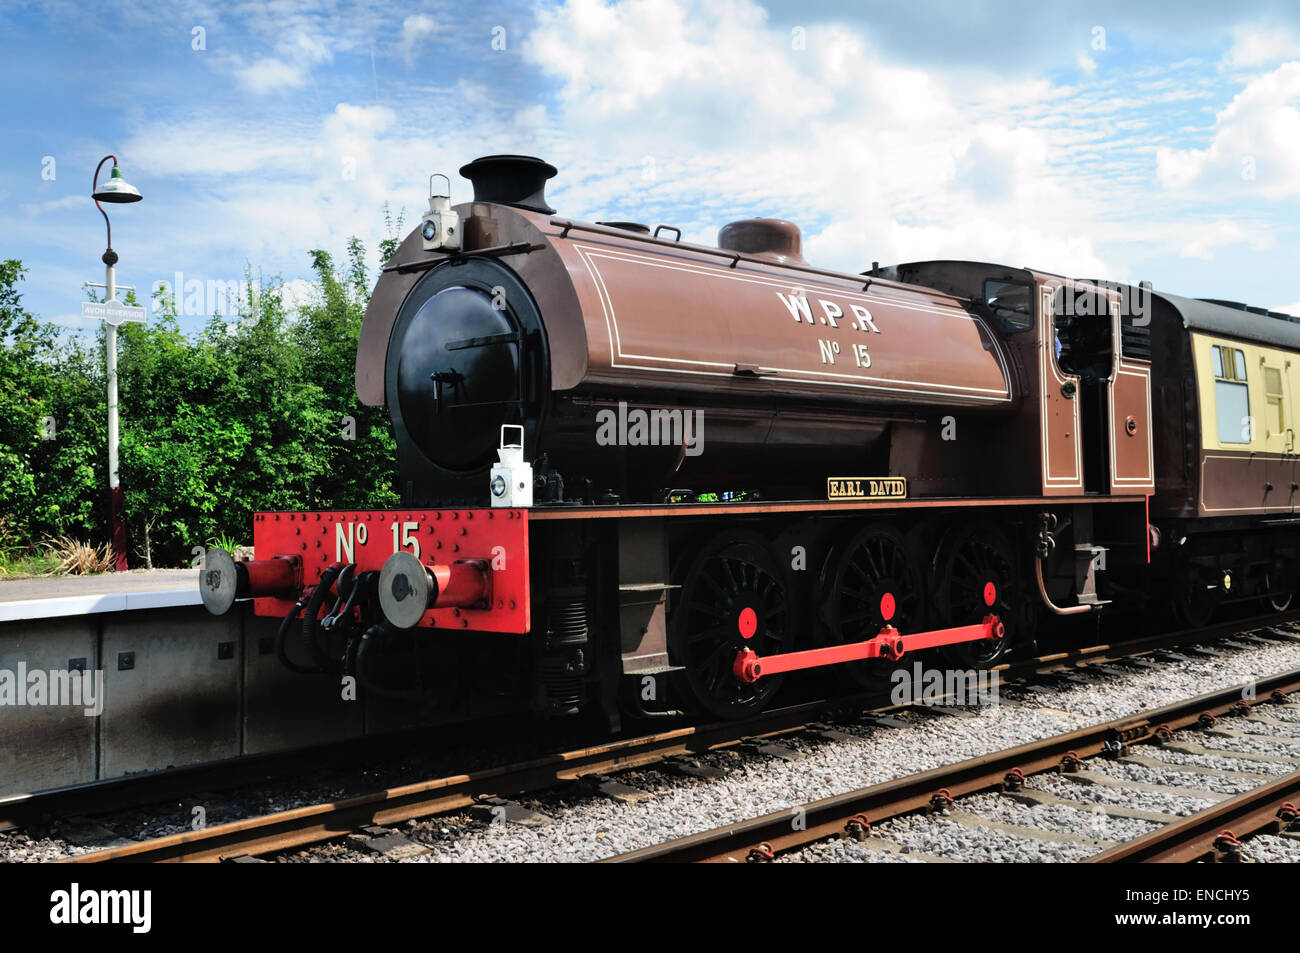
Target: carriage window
{"points": [[1231, 395]]}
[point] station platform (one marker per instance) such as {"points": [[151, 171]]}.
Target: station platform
{"points": [[173, 685], [49, 597]]}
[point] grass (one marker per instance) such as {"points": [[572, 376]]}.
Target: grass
{"points": [[26, 565], [228, 543], [79, 559], [53, 557]]}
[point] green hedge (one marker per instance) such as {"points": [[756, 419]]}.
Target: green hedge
{"points": [[246, 414]]}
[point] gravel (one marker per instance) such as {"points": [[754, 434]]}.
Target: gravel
{"points": [[1221, 762], [1250, 744], [1056, 817], [941, 837], [847, 852], [18, 847], [1287, 713], [1253, 727], [1099, 794], [1269, 849], [1171, 777]]}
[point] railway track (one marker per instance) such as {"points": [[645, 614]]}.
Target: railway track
{"points": [[1200, 836], [101, 797], [252, 837], [315, 823]]}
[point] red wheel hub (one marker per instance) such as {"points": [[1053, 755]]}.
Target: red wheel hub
{"points": [[990, 594], [748, 623], [887, 606]]}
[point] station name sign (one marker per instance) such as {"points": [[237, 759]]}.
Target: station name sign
{"points": [[114, 312], [866, 488]]}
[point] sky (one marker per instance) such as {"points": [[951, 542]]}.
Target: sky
{"points": [[1099, 140]]}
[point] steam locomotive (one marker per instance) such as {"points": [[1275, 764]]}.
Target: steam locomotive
{"points": [[641, 476]]}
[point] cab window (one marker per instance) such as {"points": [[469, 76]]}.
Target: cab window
{"points": [[1083, 331], [1231, 394], [1011, 304]]}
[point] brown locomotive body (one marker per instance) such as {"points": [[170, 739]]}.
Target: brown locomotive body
{"points": [[797, 372], [734, 464]]}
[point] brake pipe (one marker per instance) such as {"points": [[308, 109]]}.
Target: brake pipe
{"points": [[1047, 600], [309, 615]]}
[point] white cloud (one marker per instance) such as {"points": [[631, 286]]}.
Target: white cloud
{"points": [[1202, 240], [267, 193], [416, 29], [1086, 63], [296, 294], [206, 146], [268, 74], [1291, 309], [983, 239], [874, 160], [68, 201], [996, 160], [295, 53], [1254, 145], [1255, 46], [307, 48], [696, 114]]}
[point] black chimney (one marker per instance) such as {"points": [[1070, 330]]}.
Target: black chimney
{"points": [[511, 180]]}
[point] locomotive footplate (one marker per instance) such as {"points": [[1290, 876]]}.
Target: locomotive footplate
{"points": [[889, 644]]}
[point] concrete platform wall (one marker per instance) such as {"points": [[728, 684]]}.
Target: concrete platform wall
{"points": [[180, 687]]}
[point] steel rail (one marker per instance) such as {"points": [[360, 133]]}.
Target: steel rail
{"points": [[763, 837]]}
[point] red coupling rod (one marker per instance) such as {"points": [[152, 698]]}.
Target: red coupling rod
{"points": [[888, 644]]}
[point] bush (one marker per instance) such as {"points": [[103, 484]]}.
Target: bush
{"points": [[247, 414]]}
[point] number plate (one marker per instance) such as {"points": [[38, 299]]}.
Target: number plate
{"points": [[866, 488]]}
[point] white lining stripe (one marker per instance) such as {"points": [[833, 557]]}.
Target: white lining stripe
{"points": [[588, 254]]}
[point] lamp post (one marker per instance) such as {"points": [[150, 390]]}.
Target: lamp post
{"points": [[117, 191]]}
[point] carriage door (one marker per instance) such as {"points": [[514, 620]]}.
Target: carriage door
{"points": [[1278, 431], [1058, 405], [1132, 463]]}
